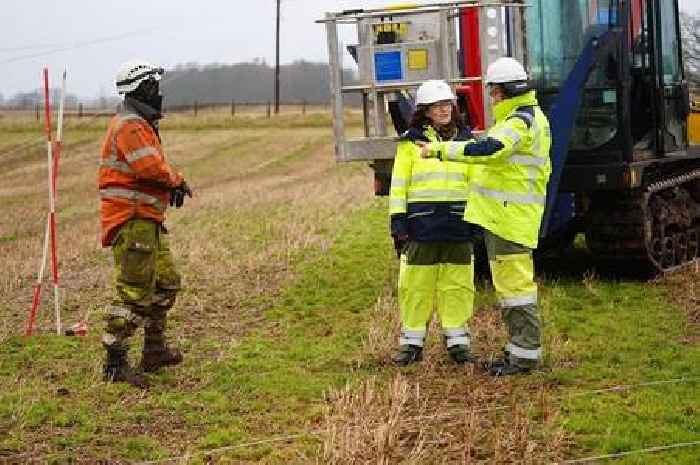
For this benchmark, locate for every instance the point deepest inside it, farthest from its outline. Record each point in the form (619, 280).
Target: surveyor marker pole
(50, 232)
(56, 157)
(52, 181)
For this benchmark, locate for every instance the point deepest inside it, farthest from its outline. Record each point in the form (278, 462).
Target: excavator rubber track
(657, 226)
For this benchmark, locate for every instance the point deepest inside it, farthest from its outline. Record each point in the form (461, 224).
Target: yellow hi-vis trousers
(512, 272)
(436, 275)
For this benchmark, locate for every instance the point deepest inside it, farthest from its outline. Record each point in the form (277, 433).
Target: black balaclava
(148, 92)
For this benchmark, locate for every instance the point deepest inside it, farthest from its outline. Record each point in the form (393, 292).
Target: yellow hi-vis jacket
(507, 196)
(427, 196)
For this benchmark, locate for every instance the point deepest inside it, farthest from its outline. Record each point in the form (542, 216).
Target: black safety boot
(460, 354)
(156, 353)
(157, 356)
(504, 367)
(407, 354)
(117, 369)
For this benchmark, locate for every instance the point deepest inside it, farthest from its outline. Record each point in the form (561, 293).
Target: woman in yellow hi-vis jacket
(427, 202)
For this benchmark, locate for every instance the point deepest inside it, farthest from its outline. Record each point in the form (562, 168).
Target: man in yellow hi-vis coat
(507, 200)
(434, 242)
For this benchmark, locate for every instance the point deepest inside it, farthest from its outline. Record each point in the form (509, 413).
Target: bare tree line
(690, 36)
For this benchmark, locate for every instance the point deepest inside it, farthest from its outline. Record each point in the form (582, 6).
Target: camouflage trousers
(512, 272)
(146, 283)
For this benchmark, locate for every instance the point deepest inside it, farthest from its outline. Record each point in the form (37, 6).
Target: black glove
(483, 147)
(399, 244)
(177, 195)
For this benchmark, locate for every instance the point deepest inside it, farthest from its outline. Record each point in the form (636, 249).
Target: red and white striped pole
(50, 234)
(53, 166)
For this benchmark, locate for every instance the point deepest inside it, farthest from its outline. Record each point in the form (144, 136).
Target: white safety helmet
(433, 91)
(134, 72)
(505, 69)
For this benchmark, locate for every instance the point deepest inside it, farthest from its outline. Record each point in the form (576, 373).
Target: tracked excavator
(608, 73)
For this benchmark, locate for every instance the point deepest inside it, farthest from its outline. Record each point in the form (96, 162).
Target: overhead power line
(81, 44)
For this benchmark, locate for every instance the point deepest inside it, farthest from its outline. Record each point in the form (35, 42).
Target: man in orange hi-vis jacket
(136, 185)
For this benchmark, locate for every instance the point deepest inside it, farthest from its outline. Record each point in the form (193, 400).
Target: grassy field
(288, 318)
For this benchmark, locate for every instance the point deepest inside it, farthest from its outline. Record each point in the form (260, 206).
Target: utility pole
(277, 62)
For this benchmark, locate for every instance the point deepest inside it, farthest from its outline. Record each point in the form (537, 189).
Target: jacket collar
(147, 112)
(462, 134)
(505, 107)
(431, 133)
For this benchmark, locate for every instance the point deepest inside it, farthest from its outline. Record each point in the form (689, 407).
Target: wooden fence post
(196, 104)
(303, 107)
(36, 109)
(268, 109)
(80, 110)
(233, 108)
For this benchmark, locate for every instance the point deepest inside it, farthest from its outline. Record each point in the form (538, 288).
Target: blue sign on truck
(387, 66)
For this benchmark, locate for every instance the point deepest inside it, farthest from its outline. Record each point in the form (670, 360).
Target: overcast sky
(92, 37)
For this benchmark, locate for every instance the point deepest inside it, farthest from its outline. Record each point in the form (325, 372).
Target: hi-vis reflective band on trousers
(456, 337)
(413, 338)
(448, 194)
(501, 196)
(120, 193)
(527, 354)
(120, 312)
(520, 301)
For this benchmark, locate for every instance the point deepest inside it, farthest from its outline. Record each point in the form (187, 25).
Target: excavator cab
(613, 68)
(635, 102)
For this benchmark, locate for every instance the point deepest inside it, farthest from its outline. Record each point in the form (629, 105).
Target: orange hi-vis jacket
(134, 179)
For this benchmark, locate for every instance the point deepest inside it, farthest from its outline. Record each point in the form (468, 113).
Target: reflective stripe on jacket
(427, 196)
(507, 196)
(134, 177)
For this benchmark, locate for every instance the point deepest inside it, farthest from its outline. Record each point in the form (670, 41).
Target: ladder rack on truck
(397, 49)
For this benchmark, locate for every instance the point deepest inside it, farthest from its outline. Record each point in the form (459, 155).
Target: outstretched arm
(500, 143)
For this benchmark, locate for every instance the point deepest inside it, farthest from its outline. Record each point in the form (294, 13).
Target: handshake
(177, 195)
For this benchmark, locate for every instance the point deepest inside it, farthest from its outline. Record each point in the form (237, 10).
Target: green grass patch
(272, 382)
(620, 333)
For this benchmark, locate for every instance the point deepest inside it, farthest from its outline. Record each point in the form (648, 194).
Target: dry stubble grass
(277, 190)
(438, 412)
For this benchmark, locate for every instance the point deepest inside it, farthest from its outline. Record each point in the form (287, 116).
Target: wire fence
(194, 108)
(496, 408)
(318, 434)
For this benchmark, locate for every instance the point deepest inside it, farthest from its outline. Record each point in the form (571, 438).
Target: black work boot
(460, 354)
(156, 353)
(504, 367)
(407, 354)
(117, 369)
(157, 356)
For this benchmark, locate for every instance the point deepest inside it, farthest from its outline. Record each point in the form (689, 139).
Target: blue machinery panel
(387, 66)
(562, 118)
